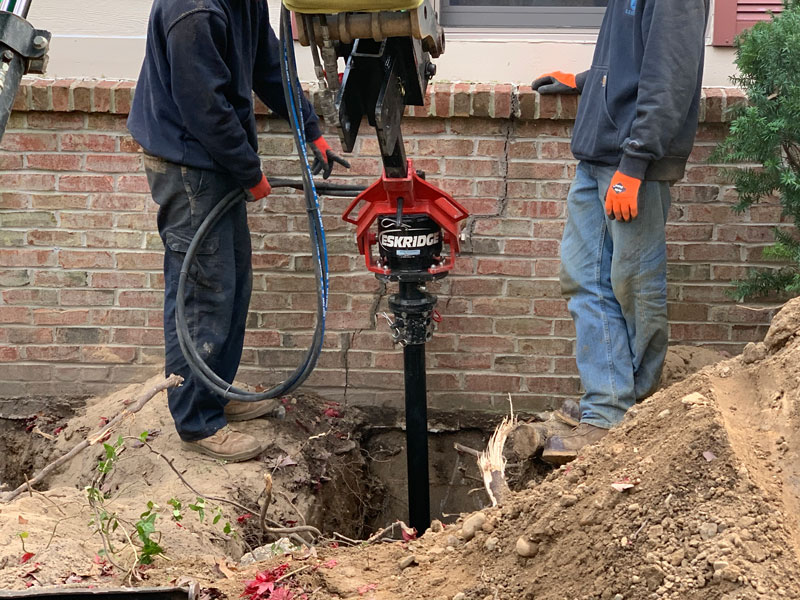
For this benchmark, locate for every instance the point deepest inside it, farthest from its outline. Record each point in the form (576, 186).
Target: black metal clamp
(23, 49)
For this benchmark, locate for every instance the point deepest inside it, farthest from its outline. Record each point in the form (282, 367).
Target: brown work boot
(569, 413)
(561, 449)
(227, 444)
(244, 411)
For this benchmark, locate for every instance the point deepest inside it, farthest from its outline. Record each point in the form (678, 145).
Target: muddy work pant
(614, 275)
(217, 292)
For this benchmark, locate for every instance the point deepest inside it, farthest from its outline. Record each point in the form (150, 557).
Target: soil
(694, 496)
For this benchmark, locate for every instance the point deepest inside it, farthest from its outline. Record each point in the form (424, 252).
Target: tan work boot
(227, 444)
(244, 411)
(561, 449)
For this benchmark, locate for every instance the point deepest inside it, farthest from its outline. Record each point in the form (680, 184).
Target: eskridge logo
(405, 237)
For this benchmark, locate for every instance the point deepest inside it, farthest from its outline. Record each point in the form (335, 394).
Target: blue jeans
(218, 287)
(614, 275)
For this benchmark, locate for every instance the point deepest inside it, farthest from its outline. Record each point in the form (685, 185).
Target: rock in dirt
(754, 352)
(472, 525)
(406, 561)
(784, 327)
(525, 548)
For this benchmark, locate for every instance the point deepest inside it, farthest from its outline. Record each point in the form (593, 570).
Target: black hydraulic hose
(197, 364)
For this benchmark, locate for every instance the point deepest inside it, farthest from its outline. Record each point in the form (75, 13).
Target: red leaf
(281, 594)
(334, 545)
(103, 421)
(26, 557)
(370, 587)
(58, 430)
(98, 560)
(409, 533)
(243, 518)
(332, 413)
(264, 583)
(330, 564)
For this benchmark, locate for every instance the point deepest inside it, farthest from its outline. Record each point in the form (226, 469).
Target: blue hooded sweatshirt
(194, 100)
(639, 104)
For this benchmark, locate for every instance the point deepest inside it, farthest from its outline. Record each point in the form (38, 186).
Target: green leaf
(143, 436)
(227, 529)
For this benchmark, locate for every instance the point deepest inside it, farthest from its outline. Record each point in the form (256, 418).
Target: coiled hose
(204, 373)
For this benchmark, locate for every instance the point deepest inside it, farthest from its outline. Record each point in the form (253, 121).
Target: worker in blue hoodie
(193, 116)
(634, 130)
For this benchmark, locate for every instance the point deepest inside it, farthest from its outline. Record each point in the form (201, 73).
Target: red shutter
(731, 17)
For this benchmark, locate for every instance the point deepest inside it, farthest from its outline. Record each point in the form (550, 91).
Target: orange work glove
(556, 82)
(324, 157)
(622, 198)
(261, 190)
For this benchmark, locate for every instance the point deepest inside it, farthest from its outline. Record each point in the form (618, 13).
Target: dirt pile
(319, 478)
(694, 496)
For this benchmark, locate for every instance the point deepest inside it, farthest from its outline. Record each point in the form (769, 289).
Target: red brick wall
(80, 258)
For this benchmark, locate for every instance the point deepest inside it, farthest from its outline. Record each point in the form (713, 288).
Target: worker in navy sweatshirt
(193, 115)
(634, 130)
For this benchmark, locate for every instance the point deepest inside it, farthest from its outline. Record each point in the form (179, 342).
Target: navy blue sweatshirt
(194, 99)
(640, 100)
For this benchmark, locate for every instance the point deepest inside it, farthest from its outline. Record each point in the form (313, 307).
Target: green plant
(766, 134)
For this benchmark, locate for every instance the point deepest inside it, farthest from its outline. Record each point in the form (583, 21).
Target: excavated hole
(358, 487)
(24, 447)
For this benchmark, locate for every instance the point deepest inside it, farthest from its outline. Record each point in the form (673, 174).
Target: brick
(107, 354)
(130, 336)
(15, 314)
(47, 120)
(113, 163)
(493, 383)
(85, 183)
(60, 92)
(554, 385)
(112, 239)
(54, 162)
(505, 266)
(86, 298)
(59, 202)
(140, 299)
(523, 326)
(40, 94)
(118, 279)
(537, 248)
(82, 259)
(28, 181)
(135, 183)
(27, 258)
(60, 279)
(696, 332)
(87, 142)
(8, 354)
(29, 335)
(15, 278)
(501, 306)
(58, 353)
(10, 162)
(47, 316)
(118, 317)
(27, 219)
(535, 170)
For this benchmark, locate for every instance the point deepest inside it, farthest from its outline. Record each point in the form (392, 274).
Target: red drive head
(414, 221)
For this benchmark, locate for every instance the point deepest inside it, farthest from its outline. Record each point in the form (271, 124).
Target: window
(522, 13)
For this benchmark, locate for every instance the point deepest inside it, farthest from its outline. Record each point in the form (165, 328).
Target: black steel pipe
(419, 501)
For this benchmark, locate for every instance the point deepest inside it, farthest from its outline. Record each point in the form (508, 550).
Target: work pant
(614, 275)
(217, 292)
